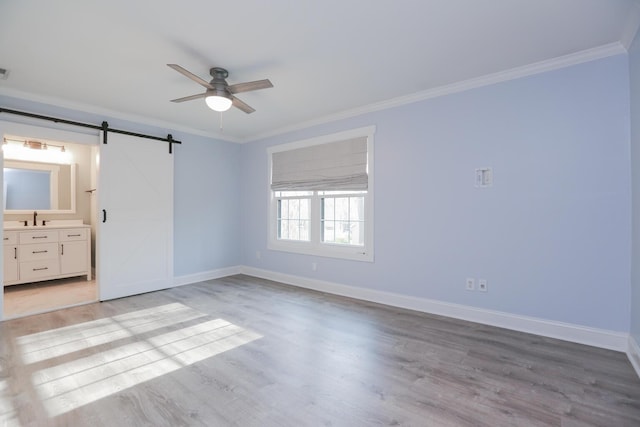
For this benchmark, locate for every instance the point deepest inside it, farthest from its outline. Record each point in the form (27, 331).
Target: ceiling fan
(219, 95)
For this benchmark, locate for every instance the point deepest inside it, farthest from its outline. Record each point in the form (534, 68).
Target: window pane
(342, 232)
(356, 208)
(294, 209)
(305, 209)
(285, 209)
(329, 208)
(293, 219)
(328, 234)
(283, 227)
(357, 234)
(343, 220)
(304, 233)
(294, 230)
(342, 208)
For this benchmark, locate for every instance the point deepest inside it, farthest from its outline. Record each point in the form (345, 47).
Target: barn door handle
(104, 215)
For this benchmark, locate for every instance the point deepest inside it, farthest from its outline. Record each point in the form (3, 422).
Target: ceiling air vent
(4, 73)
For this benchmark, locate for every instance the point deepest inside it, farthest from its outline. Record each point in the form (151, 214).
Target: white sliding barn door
(135, 216)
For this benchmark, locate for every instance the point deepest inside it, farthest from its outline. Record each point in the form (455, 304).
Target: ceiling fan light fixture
(218, 103)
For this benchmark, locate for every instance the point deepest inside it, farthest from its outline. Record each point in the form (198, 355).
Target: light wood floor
(40, 297)
(242, 351)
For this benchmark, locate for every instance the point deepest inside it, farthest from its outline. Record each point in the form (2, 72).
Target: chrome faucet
(35, 218)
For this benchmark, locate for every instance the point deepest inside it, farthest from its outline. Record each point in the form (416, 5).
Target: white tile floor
(40, 297)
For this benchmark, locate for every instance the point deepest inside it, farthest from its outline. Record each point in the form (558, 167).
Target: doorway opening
(48, 231)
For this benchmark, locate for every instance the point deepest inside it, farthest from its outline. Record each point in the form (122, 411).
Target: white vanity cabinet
(10, 241)
(46, 254)
(74, 256)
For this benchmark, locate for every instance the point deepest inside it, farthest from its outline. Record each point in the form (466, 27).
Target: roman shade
(334, 166)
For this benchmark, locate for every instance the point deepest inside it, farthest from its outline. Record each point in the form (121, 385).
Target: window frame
(315, 246)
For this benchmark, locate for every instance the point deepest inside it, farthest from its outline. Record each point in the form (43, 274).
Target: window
(321, 196)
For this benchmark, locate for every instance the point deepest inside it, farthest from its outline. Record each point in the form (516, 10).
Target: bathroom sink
(19, 225)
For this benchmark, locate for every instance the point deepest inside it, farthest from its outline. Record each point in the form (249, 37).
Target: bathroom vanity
(53, 251)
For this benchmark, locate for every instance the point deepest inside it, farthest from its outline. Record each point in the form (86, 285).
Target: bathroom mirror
(36, 186)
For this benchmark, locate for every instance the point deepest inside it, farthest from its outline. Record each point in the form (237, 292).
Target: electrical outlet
(484, 177)
(314, 266)
(482, 285)
(471, 284)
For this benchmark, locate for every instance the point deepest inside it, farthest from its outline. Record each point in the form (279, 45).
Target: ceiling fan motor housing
(218, 73)
(219, 83)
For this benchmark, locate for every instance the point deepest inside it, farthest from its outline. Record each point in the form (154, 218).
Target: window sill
(351, 253)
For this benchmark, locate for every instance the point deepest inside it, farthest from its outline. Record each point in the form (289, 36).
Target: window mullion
(315, 219)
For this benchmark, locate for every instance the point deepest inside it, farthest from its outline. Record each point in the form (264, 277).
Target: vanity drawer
(38, 236)
(38, 269)
(71, 234)
(10, 237)
(39, 251)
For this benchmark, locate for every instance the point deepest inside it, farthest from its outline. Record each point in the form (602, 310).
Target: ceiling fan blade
(189, 98)
(242, 106)
(190, 75)
(248, 86)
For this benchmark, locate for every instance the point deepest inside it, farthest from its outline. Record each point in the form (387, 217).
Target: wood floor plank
(242, 351)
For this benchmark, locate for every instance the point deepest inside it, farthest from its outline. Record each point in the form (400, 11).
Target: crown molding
(92, 109)
(576, 58)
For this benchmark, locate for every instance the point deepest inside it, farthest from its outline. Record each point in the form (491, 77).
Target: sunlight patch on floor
(72, 384)
(59, 342)
(8, 413)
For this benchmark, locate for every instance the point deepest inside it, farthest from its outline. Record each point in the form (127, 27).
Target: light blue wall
(207, 202)
(634, 73)
(552, 236)
(206, 181)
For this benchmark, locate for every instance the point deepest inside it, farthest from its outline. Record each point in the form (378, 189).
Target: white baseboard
(602, 338)
(206, 275)
(633, 353)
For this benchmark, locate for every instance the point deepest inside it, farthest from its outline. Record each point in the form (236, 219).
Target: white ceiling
(324, 58)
